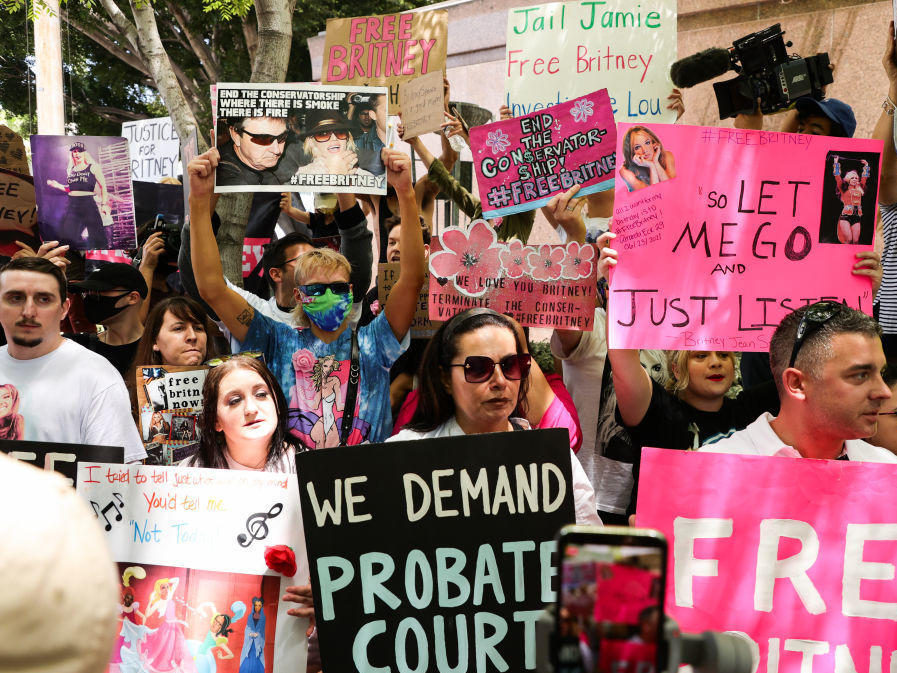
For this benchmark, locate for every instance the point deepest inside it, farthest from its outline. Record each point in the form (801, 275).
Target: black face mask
(98, 308)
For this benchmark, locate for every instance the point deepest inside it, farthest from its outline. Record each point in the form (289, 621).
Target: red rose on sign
(281, 559)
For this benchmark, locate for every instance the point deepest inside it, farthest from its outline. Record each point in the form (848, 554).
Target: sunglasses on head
(479, 368)
(265, 139)
(318, 289)
(324, 136)
(813, 319)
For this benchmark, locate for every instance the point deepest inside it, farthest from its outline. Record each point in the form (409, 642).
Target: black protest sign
(62, 458)
(434, 554)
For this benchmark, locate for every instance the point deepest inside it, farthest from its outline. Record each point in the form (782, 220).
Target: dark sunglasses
(265, 139)
(324, 136)
(318, 289)
(813, 319)
(479, 368)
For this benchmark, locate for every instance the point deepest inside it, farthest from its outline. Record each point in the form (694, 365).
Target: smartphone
(609, 616)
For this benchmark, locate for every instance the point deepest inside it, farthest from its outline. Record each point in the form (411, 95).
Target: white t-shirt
(583, 494)
(74, 396)
(759, 439)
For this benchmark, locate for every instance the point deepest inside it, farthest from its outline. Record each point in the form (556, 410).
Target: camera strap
(351, 393)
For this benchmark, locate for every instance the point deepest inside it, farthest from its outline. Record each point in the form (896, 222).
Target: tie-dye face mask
(327, 310)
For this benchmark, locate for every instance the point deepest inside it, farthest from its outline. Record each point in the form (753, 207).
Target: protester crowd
(824, 390)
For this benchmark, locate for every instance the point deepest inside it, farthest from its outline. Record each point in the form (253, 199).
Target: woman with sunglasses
(330, 145)
(473, 376)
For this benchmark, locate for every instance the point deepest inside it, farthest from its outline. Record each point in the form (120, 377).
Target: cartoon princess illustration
(215, 642)
(132, 630)
(252, 658)
(165, 649)
(327, 398)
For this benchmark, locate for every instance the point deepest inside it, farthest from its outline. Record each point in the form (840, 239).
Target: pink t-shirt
(561, 413)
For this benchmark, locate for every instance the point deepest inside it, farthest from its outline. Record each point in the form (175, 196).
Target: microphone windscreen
(700, 67)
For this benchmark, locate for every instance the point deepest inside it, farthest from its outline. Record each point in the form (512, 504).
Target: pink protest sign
(797, 554)
(722, 232)
(522, 162)
(540, 285)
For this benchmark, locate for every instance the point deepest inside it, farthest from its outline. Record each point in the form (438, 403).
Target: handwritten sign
(540, 285)
(522, 162)
(60, 457)
(436, 554)
(155, 148)
(169, 400)
(18, 207)
(385, 50)
(557, 51)
(12, 151)
(796, 554)
(313, 148)
(190, 547)
(422, 104)
(727, 231)
(421, 326)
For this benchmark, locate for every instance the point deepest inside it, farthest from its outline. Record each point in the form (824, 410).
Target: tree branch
(125, 27)
(106, 43)
(250, 37)
(205, 56)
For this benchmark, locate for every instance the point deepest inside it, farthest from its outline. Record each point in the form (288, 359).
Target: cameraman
(828, 117)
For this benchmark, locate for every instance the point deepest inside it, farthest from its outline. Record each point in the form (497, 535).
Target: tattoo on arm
(245, 317)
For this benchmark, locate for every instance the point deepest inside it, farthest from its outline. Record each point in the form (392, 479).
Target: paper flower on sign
(582, 110)
(578, 261)
(281, 559)
(498, 141)
(513, 260)
(470, 254)
(304, 360)
(546, 263)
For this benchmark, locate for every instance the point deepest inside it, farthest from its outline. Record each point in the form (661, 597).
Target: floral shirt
(314, 378)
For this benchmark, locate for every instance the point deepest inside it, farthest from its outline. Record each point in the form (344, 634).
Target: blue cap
(837, 111)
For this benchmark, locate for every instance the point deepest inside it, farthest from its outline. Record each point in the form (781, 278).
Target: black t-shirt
(121, 357)
(671, 423)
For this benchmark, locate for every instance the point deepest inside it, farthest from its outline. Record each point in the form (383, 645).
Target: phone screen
(610, 615)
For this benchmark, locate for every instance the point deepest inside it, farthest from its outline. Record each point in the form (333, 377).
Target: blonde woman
(88, 210)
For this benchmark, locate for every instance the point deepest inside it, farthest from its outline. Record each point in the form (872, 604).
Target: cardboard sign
(190, 546)
(155, 148)
(727, 231)
(423, 106)
(796, 554)
(385, 50)
(421, 327)
(83, 190)
(12, 151)
(540, 285)
(434, 554)
(169, 400)
(312, 144)
(521, 163)
(558, 51)
(61, 457)
(18, 208)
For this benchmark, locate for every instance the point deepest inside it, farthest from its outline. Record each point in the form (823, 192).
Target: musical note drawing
(111, 505)
(257, 525)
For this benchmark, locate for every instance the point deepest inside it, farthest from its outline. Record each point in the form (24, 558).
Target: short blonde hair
(677, 363)
(318, 260)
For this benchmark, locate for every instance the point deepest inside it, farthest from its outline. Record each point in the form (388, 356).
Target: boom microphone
(700, 67)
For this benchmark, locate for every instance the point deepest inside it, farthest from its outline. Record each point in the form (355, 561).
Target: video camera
(362, 101)
(609, 614)
(766, 71)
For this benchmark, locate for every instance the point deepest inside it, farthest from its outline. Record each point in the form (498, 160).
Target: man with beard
(66, 393)
(827, 363)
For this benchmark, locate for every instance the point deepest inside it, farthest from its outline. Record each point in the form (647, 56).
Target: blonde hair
(677, 363)
(318, 260)
(310, 145)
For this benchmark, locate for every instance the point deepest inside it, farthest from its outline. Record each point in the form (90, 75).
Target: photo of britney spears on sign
(300, 137)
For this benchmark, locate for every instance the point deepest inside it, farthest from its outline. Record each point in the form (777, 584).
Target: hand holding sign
(201, 172)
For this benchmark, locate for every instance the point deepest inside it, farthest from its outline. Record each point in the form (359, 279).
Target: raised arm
(884, 128)
(355, 243)
(632, 383)
(403, 297)
(286, 206)
(232, 309)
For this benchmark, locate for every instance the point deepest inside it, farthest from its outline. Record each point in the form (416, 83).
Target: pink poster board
(727, 231)
(540, 285)
(521, 163)
(835, 600)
